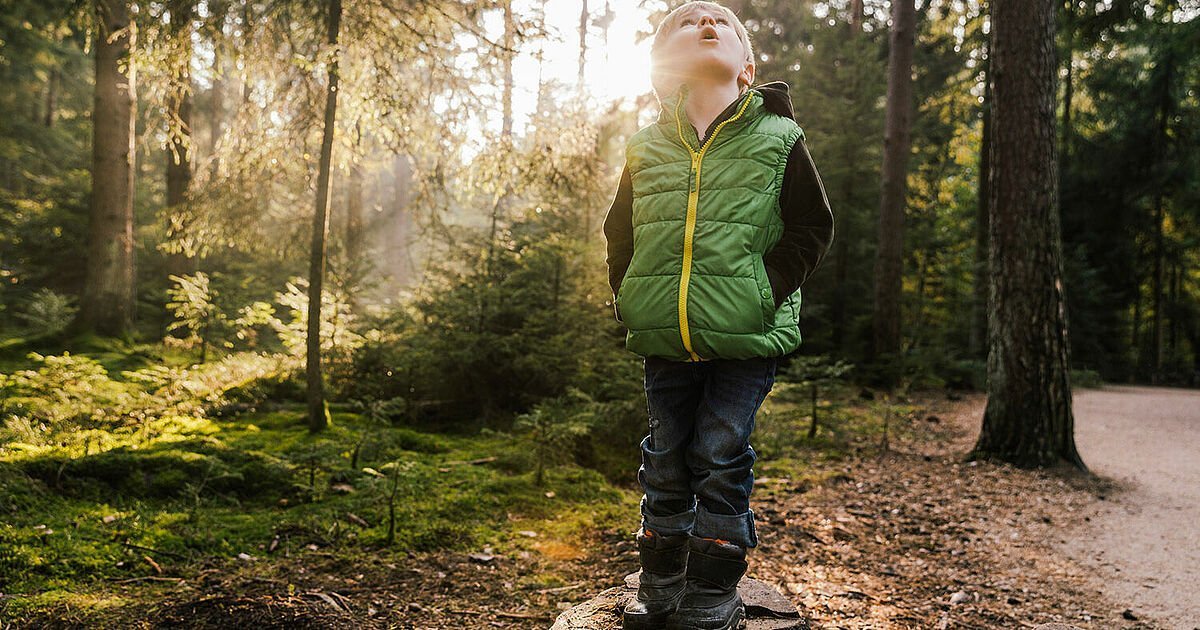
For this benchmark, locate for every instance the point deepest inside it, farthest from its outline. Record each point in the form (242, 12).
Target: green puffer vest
(703, 218)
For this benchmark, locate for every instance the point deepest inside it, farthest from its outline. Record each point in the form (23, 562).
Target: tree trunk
(1064, 152)
(401, 230)
(1135, 335)
(356, 262)
(1028, 420)
(1173, 309)
(107, 304)
(216, 112)
(978, 336)
(1160, 141)
(1156, 323)
(179, 107)
(889, 257)
(316, 266)
(51, 96)
(841, 251)
(583, 28)
(507, 122)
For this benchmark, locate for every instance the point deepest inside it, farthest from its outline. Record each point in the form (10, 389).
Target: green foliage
(508, 318)
(48, 312)
(337, 334)
(810, 375)
(71, 400)
(191, 304)
(64, 394)
(1086, 378)
(553, 427)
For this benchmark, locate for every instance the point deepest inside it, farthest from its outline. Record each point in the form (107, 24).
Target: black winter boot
(711, 600)
(664, 574)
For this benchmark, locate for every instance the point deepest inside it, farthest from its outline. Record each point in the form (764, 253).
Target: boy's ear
(746, 76)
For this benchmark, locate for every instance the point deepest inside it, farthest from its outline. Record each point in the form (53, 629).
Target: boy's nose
(707, 19)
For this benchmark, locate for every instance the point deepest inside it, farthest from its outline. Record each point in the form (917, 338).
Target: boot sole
(737, 622)
(640, 622)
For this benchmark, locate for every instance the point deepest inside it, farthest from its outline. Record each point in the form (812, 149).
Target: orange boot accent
(717, 540)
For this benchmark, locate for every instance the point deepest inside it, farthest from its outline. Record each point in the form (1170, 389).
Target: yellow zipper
(690, 224)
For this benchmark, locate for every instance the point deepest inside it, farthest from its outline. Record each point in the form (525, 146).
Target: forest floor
(910, 536)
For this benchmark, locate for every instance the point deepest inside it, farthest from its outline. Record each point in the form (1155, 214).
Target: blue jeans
(697, 462)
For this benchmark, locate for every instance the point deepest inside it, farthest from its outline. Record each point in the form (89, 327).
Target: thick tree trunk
(889, 257)
(316, 267)
(107, 304)
(1028, 420)
(978, 335)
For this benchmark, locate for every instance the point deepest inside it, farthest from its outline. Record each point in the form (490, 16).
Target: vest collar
(773, 97)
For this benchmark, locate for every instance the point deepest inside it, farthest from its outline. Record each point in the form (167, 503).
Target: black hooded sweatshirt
(804, 208)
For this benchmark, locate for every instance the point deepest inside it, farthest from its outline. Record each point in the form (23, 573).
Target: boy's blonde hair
(664, 84)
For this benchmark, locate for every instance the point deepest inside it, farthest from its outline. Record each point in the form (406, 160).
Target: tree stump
(766, 608)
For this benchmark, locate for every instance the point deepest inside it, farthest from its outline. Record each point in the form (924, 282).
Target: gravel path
(1143, 541)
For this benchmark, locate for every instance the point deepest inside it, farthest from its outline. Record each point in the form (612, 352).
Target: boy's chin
(700, 73)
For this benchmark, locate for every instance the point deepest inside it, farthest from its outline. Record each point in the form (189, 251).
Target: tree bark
(856, 16)
(316, 266)
(107, 304)
(978, 335)
(1028, 420)
(889, 257)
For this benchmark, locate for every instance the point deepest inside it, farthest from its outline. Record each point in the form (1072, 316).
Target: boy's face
(704, 45)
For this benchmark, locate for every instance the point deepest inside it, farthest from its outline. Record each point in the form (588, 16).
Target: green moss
(192, 491)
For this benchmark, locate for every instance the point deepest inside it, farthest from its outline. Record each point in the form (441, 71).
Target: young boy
(719, 218)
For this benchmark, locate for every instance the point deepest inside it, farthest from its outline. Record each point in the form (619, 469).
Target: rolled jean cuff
(672, 525)
(736, 528)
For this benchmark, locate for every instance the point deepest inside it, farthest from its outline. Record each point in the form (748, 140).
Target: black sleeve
(807, 225)
(618, 231)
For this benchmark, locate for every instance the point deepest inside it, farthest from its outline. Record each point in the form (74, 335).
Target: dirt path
(1143, 541)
